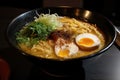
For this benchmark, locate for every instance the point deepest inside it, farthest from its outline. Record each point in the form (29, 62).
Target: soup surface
(59, 37)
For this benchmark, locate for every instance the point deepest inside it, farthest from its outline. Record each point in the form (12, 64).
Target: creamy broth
(46, 49)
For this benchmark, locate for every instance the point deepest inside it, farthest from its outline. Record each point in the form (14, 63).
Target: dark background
(27, 4)
(109, 8)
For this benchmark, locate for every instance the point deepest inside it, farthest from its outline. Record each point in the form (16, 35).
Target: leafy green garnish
(39, 29)
(33, 32)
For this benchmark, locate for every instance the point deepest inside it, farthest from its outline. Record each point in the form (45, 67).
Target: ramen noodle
(64, 41)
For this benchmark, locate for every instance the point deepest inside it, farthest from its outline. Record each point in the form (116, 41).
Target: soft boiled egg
(87, 41)
(64, 49)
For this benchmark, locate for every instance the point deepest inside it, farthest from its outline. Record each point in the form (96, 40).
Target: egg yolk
(86, 42)
(63, 53)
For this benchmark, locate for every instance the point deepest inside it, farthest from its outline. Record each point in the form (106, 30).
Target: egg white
(93, 37)
(72, 47)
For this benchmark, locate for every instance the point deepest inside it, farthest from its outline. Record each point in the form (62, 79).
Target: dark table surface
(105, 66)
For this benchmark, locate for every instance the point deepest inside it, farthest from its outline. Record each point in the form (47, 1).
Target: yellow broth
(45, 49)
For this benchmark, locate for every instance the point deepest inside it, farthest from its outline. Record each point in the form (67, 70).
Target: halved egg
(64, 50)
(87, 41)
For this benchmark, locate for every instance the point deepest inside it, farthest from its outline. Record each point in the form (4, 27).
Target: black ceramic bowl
(104, 24)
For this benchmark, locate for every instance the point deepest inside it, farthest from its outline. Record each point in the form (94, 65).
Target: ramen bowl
(102, 23)
(106, 27)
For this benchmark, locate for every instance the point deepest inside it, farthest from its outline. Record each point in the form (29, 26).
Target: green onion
(39, 29)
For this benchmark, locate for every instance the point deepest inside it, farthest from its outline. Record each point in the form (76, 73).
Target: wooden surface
(53, 3)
